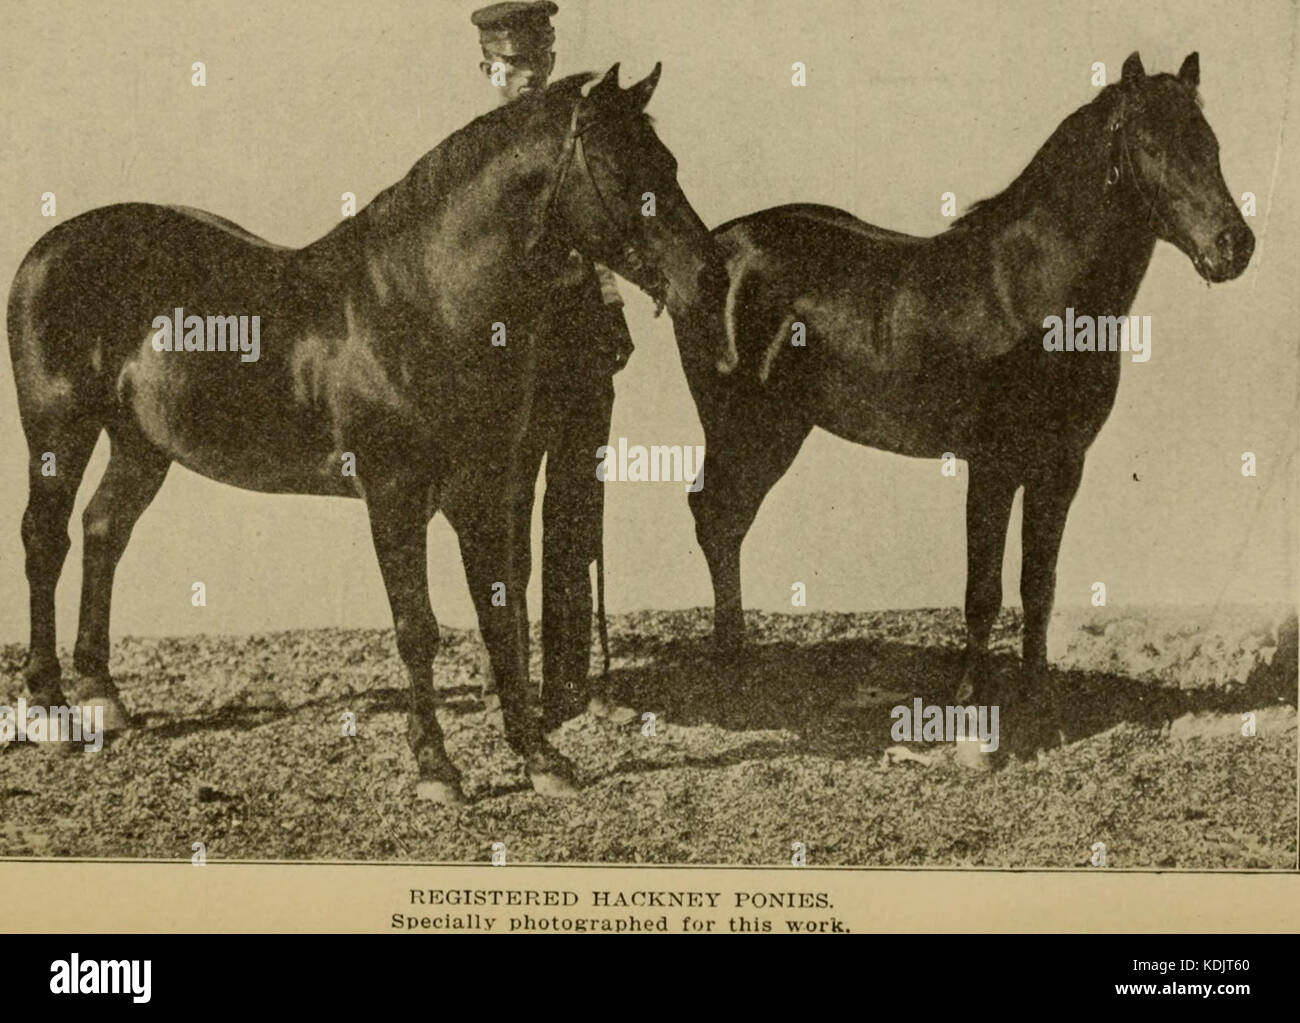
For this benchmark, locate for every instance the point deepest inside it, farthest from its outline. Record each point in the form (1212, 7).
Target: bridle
(1120, 156)
(575, 153)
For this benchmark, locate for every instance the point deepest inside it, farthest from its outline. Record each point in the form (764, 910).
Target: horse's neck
(465, 245)
(1087, 239)
(488, 220)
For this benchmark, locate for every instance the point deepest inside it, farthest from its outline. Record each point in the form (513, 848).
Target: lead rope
(600, 612)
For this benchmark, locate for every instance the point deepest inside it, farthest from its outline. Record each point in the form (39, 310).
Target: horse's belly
(923, 416)
(233, 421)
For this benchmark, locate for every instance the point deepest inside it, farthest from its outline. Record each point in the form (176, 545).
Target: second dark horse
(923, 346)
(376, 343)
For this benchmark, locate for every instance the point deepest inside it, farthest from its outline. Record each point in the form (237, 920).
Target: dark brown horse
(924, 346)
(376, 348)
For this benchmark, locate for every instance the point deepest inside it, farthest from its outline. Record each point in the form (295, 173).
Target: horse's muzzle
(1229, 256)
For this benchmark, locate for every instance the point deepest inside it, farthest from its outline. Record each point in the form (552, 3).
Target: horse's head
(617, 201)
(1164, 152)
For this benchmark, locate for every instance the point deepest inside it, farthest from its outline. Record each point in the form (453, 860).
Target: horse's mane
(460, 156)
(1062, 146)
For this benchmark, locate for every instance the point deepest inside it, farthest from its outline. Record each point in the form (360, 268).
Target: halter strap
(575, 152)
(566, 161)
(1120, 156)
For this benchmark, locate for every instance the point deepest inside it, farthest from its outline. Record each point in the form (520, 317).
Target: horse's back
(785, 257)
(229, 227)
(103, 250)
(106, 231)
(777, 217)
(876, 364)
(76, 302)
(806, 249)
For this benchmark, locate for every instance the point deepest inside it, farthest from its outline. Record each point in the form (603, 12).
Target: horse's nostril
(1224, 243)
(1246, 246)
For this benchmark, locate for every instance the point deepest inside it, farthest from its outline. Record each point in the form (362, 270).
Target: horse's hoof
(611, 712)
(115, 719)
(434, 790)
(553, 785)
(492, 710)
(552, 774)
(966, 690)
(970, 756)
(561, 702)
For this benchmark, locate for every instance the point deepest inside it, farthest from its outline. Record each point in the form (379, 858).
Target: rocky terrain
(238, 743)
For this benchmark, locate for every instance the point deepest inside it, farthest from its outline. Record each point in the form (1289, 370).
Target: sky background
(904, 102)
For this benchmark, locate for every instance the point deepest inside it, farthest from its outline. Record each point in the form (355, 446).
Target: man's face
(525, 74)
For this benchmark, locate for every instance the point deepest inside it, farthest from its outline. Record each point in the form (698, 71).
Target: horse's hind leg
(742, 463)
(58, 452)
(135, 472)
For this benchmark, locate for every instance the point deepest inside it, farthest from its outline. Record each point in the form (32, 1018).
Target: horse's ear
(1133, 69)
(639, 95)
(1190, 73)
(607, 87)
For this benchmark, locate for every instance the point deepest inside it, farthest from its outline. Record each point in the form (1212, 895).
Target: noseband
(575, 152)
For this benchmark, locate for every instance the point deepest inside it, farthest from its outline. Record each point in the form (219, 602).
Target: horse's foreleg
(492, 551)
(135, 472)
(58, 457)
(742, 463)
(398, 528)
(988, 512)
(721, 539)
(1049, 490)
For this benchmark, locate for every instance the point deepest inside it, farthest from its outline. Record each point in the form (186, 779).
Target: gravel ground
(238, 744)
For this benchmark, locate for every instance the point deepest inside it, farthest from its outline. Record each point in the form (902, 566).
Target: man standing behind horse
(588, 335)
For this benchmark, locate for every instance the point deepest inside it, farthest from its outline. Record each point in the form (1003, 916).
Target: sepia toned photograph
(733, 434)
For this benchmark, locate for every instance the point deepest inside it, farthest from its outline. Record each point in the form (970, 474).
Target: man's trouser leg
(533, 446)
(572, 535)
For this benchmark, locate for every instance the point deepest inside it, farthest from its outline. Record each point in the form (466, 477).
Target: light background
(904, 102)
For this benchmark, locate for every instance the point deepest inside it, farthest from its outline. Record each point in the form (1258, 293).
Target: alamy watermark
(75, 976)
(660, 463)
(53, 724)
(938, 723)
(181, 333)
(1098, 334)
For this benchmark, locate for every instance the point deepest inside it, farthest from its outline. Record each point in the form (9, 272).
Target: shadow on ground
(837, 695)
